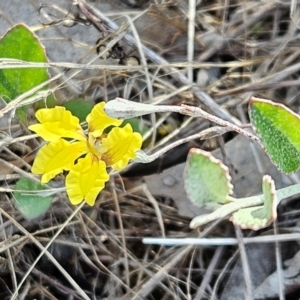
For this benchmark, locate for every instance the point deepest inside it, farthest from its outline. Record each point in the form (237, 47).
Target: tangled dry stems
(241, 49)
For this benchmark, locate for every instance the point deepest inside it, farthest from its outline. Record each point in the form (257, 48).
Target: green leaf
(278, 128)
(79, 108)
(259, 217)
(207, 180)
(20, 43)
(27, 202)
(136, 125)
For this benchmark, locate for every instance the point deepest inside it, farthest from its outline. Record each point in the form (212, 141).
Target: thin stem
(144, 158)
(288, 191)
(228, 209)
(124, 109)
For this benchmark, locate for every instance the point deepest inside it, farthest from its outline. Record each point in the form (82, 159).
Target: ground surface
(237, 49)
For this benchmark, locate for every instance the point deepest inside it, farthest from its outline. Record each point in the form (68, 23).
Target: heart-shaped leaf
(29, 204)
(207, 180)
(259, 217)
(278, 128)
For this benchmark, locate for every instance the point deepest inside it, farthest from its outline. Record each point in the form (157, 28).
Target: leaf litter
(240, 50)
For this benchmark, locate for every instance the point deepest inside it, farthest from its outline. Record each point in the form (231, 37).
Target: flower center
(95, 145)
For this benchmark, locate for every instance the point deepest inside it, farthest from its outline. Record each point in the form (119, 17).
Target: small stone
(169, 180)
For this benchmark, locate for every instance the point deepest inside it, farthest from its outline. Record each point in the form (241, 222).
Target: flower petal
(55, 157)
(98, 120)
(122, 144)
(57, 122)
(86, 179)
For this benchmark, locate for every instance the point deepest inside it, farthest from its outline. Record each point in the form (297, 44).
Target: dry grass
(241, 48)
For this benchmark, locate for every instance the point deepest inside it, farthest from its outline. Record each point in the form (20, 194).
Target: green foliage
(20, 43)
(136, 125)
(259, 217)
(79, 108)
(27, 202)
(278, 128)
(207, 181)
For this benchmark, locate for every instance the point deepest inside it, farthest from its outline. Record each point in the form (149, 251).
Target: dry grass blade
(44, 251)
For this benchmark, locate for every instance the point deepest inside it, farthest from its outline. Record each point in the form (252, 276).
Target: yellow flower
(85, 156)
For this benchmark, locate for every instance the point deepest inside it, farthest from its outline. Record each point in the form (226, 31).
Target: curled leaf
(259, 217)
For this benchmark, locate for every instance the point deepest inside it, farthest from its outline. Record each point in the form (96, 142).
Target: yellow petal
(57, 122)
(86, 179)
(98, 120)
(122, 144)
(55, 157)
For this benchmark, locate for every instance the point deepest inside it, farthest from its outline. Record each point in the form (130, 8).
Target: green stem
(226, 210)
(236, 204)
